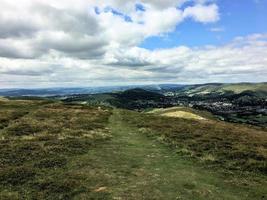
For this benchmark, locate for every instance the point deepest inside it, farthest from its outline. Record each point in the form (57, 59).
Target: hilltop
(55, 150)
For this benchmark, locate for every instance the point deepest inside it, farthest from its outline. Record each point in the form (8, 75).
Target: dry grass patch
(183, 114)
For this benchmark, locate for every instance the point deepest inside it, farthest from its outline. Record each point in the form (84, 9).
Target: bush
(22, 129)
(16, 175)
(56, 162)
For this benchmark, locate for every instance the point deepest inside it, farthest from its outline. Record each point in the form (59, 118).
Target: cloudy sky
(69, 43)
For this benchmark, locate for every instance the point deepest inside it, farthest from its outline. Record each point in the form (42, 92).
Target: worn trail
(133, 166)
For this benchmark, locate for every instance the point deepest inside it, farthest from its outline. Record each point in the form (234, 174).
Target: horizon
(129, 85)
(100, 43)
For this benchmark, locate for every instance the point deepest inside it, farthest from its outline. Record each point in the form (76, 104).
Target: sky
(76, 43)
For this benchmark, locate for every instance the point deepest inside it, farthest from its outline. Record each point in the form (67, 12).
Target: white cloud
(32, 28)
(244, 58)
(203, 13)
(51, 43)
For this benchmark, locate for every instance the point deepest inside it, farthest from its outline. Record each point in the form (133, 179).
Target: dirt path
(132, 166)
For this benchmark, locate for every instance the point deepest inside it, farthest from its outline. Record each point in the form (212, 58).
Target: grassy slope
(99, 159)
(138, 167)
(241, 87)
(235, 88)
(232, 146)
(39, 140)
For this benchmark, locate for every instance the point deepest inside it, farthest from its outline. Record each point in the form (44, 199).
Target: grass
(38, 141)
(218, 144)
(241, 87)
(177, 112)
(134, 166)
(59, 151)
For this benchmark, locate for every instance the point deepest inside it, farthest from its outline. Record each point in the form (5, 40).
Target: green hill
(130, 99)
(219, 88)
(139, 94)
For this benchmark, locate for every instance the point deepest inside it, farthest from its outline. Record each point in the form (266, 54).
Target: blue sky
(237, 18)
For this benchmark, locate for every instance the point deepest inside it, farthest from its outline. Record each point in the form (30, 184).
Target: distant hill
(60, 91)
(136, 98)
(42, 92)
(220, 88)
(139, 94)
(242, 102)
(198, 89)
(249, 94)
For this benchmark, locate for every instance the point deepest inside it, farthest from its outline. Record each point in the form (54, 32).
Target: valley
(238, 103)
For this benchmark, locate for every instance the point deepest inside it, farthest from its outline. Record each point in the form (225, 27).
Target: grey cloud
(131, 63)
(83, 47)
(29, 72)
(38, 35)
(30, 69)
(29, 49)
(10, 50)
(16, 28)
(166, 69)
(68, 20)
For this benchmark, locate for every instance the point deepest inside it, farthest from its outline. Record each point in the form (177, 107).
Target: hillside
(52, 150)
(223, 89)
(239, 103)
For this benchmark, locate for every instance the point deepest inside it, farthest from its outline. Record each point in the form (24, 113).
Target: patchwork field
(51, 150)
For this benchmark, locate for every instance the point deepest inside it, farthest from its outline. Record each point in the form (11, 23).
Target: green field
(51, 150)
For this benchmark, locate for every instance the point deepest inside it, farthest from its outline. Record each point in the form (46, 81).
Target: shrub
(55, 162)
(16, 175)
